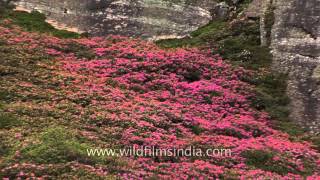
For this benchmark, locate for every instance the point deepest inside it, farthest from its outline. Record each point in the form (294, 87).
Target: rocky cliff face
(296, 50)
(152, 19)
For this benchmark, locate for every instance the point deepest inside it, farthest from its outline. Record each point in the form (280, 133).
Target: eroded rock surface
(154, 19)
(296, 50)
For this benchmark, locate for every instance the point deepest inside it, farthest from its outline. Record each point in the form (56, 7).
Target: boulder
(221, 11)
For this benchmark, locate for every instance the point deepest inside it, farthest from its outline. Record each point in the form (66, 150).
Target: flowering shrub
(127, 92)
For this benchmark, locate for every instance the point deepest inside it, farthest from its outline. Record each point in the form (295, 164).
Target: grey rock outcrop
(296, 51)
(221, 11)
(153, 19)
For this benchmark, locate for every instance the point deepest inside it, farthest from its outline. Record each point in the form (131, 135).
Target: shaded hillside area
(61, 97)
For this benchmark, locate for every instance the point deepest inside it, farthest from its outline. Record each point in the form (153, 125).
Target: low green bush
(36, 21)
(8, 121)
(57, 145)
(264, 160)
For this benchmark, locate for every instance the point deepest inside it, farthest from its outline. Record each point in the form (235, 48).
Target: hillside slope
(61, 97)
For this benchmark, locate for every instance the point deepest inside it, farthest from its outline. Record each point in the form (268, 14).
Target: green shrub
(4, 147)
(264, 160)
(192, 75)
(271, 97)
(79, 50)
(57, 145)
(197, 129)
(289, 127)
(83, 101)
(3, 42)
(210, 28)
(316, 141)
(36, 21)
(213, 30)
(257, 157)
(8, 121)
(4, 95)
(7, 96)
(174, 43)
(238, 42)
(230, 132)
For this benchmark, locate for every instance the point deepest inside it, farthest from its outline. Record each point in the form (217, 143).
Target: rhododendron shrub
(127, 92)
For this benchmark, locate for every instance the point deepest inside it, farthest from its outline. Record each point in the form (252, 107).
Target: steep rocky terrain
(144, 18)
(296, 50)
(291, 30)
